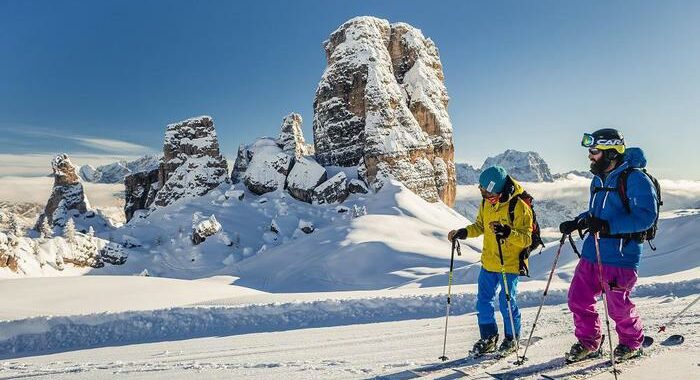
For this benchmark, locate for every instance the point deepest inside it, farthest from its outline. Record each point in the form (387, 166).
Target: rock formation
(291, 138)
(67, 193)
(334, 190)
(304, 177)
(382, 103)
(140, 191)
(268, 169)
(192, 164)
(203, 227)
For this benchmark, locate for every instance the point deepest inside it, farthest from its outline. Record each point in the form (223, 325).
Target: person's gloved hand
(569, 226)
(457, 234)
(598, 225)
(502, 231)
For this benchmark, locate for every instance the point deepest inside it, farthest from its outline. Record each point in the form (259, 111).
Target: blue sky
(105, 77)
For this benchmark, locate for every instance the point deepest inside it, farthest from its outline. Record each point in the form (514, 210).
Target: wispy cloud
(37, 140)
(39, 165)
(112, 146)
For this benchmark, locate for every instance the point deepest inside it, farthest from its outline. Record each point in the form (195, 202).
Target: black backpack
(650, 233)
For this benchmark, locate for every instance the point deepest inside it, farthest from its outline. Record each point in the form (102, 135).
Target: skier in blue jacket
(622, 233)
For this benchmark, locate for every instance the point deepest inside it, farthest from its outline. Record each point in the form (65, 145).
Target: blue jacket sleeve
(643, 206)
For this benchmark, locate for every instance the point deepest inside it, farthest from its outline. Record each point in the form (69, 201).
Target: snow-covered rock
(27, 256)
(116, 172)
(467, 174)
(304, 177)
(334, 190)
(140, 191)
(243, 158)
(356, 186)
(203, 227)
(67, 193)
(235, 194)
(192, 164)
(291, 138)
(523, 166)
(268, 169)
(306, 226)
(382, 103)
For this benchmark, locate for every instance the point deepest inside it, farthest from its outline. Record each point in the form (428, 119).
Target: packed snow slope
(368, 242)
(334, 338)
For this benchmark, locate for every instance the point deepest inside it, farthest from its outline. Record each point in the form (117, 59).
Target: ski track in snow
(374, 350)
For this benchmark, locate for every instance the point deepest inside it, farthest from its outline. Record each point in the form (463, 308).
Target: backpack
(536, 236)
(650, 233)
(536, 232)
(637, 161)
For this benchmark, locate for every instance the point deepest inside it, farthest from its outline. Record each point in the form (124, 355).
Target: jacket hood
(511, 189)
(635, 158)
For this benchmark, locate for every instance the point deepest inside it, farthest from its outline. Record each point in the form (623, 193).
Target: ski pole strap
(573, 246)
(459, 250)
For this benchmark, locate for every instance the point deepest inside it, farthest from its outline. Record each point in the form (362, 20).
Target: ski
(552, 365)
(673, 340)
(432, 368)
(471, 370)
(462, 365)
(595, 369)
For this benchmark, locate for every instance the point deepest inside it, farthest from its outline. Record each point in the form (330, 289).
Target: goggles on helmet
(589, 141)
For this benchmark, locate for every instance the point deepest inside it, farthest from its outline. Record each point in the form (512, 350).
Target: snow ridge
(55, 334)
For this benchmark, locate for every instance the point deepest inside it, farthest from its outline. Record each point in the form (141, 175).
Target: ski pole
(455, 245)
(663, 327)
(505, 288)
(546, 288)
(596, 237)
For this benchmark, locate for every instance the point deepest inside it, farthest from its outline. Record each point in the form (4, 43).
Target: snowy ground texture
(361, 297)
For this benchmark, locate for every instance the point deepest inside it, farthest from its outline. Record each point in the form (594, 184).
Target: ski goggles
(487, 194)
(589, 141)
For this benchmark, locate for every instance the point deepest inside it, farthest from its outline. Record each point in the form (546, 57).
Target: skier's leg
(619, 283)
(503, 305)
(486, 293)
(584, 289)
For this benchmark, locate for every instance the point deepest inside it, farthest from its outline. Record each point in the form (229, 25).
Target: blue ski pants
(489, 282)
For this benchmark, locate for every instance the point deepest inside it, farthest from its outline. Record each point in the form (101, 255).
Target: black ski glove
(570, 226)
(502, 231)
(457, 234)
(598, 225)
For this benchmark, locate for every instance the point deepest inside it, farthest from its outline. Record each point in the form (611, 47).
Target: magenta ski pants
(585, 287)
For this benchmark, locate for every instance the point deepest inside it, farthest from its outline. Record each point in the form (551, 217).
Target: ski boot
(623, 353)
(507, 346)
(484, 346)
(579, 352)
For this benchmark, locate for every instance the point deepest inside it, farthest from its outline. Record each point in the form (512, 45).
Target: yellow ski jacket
(521, 229)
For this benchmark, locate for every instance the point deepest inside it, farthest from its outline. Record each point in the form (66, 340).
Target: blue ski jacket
(605, 203)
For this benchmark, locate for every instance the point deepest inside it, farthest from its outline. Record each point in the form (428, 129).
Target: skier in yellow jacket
(504, 215)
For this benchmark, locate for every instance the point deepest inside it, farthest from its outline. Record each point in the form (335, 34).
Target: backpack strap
(525, 197)
(622, 188)
(511, 207)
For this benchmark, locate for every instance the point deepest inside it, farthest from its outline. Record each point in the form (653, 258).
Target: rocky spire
(67, 192)
(382, 104)
(291, 138)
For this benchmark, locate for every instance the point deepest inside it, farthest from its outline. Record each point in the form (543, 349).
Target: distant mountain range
(523, 166)
(117, 171)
